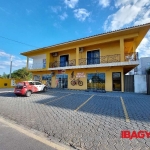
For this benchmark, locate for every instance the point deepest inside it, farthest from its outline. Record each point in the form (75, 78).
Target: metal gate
(148, 84)
(129, 83)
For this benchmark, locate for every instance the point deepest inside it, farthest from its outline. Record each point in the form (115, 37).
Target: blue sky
(43, 23)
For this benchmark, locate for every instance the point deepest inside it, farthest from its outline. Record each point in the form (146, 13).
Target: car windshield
(20, 84)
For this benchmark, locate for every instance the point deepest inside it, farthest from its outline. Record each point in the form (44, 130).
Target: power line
(18, 42)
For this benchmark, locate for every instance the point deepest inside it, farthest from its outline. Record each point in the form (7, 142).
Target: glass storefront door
(116, 77)
(96, 81)
(47, 79)
(61, 81)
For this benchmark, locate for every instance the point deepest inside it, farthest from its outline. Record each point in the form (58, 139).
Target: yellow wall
(71, 54)
(108, 77)
(110, 48)
(8, 82)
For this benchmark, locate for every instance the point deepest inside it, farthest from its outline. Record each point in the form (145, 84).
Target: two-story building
(95, 62)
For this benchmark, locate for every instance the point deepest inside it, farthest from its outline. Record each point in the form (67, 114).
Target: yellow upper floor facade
(117, 48)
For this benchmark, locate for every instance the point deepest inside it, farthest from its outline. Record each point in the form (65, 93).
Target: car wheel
(45, 89)
(28, 93)
(16, 94)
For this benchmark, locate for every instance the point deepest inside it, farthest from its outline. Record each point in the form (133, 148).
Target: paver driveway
(84, 120)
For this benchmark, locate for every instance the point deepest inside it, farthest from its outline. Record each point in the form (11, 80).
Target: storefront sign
(80, 75)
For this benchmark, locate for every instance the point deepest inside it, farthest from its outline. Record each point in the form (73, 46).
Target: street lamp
(10, 67)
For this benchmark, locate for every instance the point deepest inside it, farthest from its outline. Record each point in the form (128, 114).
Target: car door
(38, 85)
(32, 87)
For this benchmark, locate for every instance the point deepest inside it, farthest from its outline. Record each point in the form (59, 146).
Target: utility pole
(10, 67)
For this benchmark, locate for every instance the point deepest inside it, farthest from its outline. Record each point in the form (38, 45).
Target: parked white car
(29, 87)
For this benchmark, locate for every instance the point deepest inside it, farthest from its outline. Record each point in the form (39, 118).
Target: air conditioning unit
(80, 49)
(54, 54)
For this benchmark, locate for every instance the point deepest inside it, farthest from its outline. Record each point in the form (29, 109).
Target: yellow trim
(47, 60)
(124, 110)
(77, 56)
(122, 49)
(83, 103)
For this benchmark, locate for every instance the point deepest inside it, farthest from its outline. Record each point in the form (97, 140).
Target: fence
(137, 83)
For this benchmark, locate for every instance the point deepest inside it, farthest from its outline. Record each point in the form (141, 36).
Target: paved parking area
(83, 120)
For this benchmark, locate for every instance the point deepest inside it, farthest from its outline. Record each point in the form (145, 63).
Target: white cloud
(55, 9)
(89, 30)
(28, 11)
(3, 54)
(129, 12)
(5, 60)
(140, 3)
(3, 10)
(81, 14)
(104, 3)
(143, 18)
(144, 47)
(123, 16)
(63, 16)
(57, 25)
(71, 3)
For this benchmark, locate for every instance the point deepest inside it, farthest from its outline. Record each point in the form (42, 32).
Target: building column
(47, 60)
(122, 81)
(122, 50)
(77, 56)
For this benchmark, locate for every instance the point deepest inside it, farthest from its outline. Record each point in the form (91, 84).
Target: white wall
(38, 61)
(140, 85)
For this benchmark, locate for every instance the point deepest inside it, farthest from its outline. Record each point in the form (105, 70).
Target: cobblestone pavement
(97, 125)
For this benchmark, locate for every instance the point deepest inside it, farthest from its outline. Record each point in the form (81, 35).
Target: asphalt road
(11, 139)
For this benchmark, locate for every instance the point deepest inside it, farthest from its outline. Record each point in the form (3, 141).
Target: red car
(28, 87)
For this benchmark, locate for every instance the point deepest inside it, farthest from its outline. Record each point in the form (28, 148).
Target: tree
(22, 74)
(5, 76)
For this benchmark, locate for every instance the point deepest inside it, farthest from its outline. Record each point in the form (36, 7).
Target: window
(31, 83)
(93, 57)
(64, 60)
(37, 83)
(61, 81)
(96, 81)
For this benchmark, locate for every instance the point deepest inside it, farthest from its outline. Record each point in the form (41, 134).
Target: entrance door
(116, 77)
(47, 79)
(96, 81)
(64, 60)
(38, 85)
(61, 81)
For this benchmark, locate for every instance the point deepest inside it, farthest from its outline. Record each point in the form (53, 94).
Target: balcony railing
(37, 66)
(62, 64)
(131, 56)
(99, 60)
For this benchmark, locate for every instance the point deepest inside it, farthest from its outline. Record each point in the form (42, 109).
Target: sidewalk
(14, 137)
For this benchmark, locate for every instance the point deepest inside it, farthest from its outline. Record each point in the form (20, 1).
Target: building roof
(121, 31)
